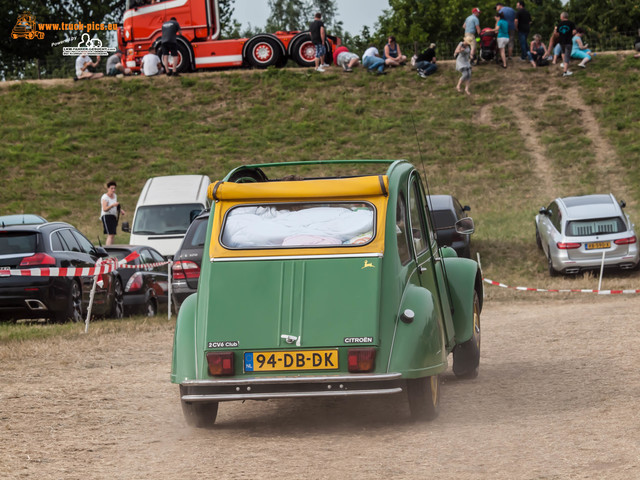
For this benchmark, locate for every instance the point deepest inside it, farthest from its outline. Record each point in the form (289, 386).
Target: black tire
(74, 305)
(200, 415)
(302, 51)
(424, 397)
(248, 175)
(263, 52)
(184, 57)
(117, 307)
(151, 307)
(552, 271)
(538, 239)
(466, 356)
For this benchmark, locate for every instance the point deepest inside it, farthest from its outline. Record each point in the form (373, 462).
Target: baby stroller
(488, 44)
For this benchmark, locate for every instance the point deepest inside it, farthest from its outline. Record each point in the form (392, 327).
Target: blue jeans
(539, 53)
(524, 47)
(371, 63)
(427, 67)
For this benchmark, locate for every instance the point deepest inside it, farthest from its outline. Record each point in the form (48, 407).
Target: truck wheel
(184, 64)
(117, 308)
(74, 305)
(466, 356)
(303, 52)
(424, 397)
(262, 52)
(200, 415)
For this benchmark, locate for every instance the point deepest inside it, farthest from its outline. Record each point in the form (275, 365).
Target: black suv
(48, 245)
(187, 260)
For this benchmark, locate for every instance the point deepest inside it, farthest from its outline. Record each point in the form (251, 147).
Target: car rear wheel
(151, 307)
(117, 308)
(466, 356)
(74, 305)
(538, 239)
(424, 397)
(200, 415)
(552, 271)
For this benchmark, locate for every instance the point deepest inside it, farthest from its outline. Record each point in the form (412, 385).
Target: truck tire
(424, 397)
(263, 52)
(302, 51)
(184, 56)
(466, 356)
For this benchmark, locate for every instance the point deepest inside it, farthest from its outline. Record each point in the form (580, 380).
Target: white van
(165, 208)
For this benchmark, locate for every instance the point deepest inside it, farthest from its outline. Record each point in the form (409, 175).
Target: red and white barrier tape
(552, 290)
(102, 267)
(145, 265)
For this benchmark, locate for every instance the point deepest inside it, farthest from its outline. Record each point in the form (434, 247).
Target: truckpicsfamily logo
(27, 27)
(90, 46)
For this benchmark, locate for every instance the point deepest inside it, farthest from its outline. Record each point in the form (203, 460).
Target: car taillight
(361, 360)
(135, 283)
(183, 269)
(38, 260)
(220, 363)
(568, 246)
(626, 241)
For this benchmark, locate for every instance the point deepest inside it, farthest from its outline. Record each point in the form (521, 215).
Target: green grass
(61, 143)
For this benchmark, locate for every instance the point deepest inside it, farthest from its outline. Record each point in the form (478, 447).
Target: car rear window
(196, 234)
(17, 243)
(444, 218)
(299, 225)
(596, 226)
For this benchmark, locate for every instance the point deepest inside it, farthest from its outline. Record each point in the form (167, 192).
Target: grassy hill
(524, 137)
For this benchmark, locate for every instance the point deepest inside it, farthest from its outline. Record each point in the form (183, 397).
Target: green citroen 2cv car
(325, 287)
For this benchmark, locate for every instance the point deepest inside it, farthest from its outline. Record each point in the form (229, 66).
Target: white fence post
(91, 295)
(169, 265)
(601, 270)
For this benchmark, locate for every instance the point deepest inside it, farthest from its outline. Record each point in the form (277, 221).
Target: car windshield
(18, 243)
(444, 218)
(164, 219)
(296, 225)
(596, 226)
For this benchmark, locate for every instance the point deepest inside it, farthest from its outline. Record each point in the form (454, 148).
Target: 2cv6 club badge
(325, 286)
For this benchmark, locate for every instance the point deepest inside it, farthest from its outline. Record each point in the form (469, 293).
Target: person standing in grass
(318, 38)
(509, 14)
(523, 23)
(471, 27)
(502, 29)
(170, 31)
(565, 38)
(110, 210)
(462, 55)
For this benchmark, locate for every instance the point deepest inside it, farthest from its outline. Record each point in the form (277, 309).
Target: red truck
(199, 43)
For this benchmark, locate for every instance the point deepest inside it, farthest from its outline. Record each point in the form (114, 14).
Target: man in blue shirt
(510, 16)
(471, 27)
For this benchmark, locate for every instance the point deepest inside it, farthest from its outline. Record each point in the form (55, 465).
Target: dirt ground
(557, 397)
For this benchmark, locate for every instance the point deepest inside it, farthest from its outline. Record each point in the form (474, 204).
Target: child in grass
(462, 55)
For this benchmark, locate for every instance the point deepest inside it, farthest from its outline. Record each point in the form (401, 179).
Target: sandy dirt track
(557, 397)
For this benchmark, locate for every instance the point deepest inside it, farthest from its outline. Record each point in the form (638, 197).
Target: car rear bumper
(567, 265)
(207, 391)
(40, 297)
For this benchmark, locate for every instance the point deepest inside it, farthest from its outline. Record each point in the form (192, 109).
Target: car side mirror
(125, 227)
(466, 208)
(465, 226)
(543, 211)
(623, 204)
(101, 252)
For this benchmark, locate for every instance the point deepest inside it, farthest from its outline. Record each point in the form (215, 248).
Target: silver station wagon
(575, 232)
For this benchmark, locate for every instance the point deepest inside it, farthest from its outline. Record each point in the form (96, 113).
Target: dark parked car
(446, 211)
(145, 289)
(187, 260)
(47, 245)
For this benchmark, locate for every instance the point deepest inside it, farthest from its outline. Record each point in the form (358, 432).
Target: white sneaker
(562, 65)
(325, 65)
(581, 65)
(320, 69)
(568, 73)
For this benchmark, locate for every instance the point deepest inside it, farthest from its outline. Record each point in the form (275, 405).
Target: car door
(546, 226)
(431, 274)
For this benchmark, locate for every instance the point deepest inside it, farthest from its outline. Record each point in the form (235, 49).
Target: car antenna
(429, 210)
(99, 242)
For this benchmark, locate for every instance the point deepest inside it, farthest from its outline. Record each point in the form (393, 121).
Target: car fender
(183, 361)
(418, 347)
(463, 278)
